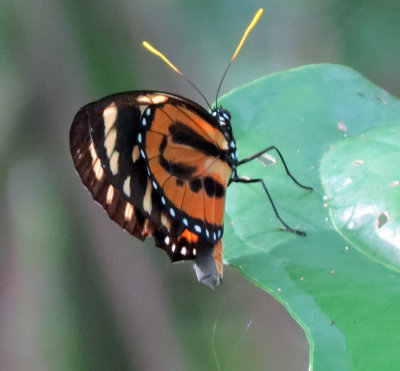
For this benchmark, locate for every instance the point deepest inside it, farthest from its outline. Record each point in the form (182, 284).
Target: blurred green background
(78, 293)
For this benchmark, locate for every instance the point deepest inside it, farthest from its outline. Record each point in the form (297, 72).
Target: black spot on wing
(213, 188)
(179, 170)
(196, 184)
(182, 134)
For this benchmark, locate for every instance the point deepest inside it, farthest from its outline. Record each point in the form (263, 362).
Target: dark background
(78, 293)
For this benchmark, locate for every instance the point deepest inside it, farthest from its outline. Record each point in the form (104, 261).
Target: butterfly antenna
(244, 37)
(170, 64)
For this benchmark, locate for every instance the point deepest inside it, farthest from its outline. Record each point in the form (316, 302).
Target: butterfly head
(223, 118)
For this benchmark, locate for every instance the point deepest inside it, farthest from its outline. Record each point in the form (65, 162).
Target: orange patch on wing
(193, 203)
(190, 237)
(153, 142)
(214, 209)
(183, 154)
(161, 122)
(220, 170)
(174, 192)
(159, 173)
(172, 113)
(214, 206)
(213, 134)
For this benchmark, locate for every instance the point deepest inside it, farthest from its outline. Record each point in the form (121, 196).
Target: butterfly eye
(226, 114)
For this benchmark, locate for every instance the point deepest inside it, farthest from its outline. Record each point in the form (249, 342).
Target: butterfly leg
(258, 154)
(288, 228)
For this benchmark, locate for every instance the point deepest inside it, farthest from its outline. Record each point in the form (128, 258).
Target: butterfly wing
(157, 164)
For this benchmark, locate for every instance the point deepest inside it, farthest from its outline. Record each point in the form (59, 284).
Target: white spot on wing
(165, 221)
(144, 99)
(93, 152)
(135, 153)
(110, 140)
(109, 117)
(110, 195)
(197, 228)
(98, 170)
(158, 98)
(128, 212)
(142, 108)
(147, 202)
(184, 251)
(114, 162)
(127, 186)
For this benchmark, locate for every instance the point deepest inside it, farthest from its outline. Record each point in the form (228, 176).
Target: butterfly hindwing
(93, 166)
(156, 163)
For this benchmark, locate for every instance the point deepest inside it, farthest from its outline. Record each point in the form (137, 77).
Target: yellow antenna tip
(246, 33)
(160, 55)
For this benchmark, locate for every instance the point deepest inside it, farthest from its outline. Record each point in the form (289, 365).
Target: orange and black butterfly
(159, 164)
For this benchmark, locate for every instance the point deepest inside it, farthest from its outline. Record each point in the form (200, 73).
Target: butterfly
(159, 164)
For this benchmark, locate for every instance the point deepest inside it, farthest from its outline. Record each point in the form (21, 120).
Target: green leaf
(361, 177)
(345, 300)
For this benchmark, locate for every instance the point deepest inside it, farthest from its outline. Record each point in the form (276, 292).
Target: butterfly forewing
(156, 163)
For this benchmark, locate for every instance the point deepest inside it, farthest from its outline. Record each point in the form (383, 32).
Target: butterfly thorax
(223, 118)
